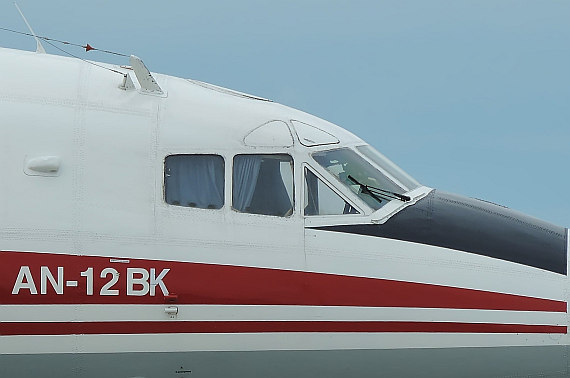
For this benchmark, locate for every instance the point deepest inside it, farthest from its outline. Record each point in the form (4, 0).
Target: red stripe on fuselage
(91, 328)
(197, 283)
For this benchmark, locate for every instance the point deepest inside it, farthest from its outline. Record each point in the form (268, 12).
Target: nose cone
(471, 225)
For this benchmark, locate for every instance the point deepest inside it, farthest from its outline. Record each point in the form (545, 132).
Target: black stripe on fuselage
(471, 225)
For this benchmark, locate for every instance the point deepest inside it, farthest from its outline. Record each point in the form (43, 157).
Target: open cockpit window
(194, 181)
(322, 200)
(263, 184)
(366, 181)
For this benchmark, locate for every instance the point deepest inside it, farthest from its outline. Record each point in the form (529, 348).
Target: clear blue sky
(471, 97)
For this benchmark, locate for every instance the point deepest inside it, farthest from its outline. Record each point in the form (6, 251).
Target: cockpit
(335, 181)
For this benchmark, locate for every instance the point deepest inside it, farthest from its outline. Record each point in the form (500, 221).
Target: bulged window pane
(194, 181)
(322, 200)
(263, 184)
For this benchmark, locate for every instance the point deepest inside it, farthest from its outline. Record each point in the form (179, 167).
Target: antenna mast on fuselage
(39, 48)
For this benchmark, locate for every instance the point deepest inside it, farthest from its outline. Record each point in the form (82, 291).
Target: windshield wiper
(365, 189)
(386, 193)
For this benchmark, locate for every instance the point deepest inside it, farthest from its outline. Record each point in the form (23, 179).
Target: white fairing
(94, 262)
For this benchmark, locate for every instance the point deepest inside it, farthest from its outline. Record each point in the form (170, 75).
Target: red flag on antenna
(88, 47)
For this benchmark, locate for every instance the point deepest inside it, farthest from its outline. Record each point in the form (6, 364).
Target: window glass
(263, 184)
(359, 175)
(382, 161)
(194, 181)
(322, 200)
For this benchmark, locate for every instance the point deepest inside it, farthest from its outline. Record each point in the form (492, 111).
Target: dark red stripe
(196, 283)
(72, 328)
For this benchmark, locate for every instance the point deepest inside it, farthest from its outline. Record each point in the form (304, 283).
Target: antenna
(147, 82)
(39, 48)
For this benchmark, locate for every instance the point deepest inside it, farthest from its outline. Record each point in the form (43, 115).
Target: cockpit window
(359, 175)
(322, 200)
(392, 169)
(263, 184)
(194, 181)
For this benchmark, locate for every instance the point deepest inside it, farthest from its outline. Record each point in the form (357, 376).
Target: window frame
(369, 162)
(223, 187)
(336, 190)
(293, 188)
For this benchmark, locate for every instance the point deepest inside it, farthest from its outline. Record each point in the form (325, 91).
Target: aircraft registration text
(138, 282)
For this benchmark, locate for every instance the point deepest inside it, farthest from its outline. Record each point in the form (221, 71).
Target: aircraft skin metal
(100, 277)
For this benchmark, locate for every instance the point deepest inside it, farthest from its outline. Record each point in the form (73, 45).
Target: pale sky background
(470, 97)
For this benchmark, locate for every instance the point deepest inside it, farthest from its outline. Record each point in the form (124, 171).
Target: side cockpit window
(263, 184)
(322, 200)
(194, 181)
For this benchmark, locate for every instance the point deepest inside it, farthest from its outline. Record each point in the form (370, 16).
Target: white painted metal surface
(104, 210)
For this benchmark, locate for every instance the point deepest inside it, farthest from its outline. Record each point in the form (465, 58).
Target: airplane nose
(471, 225)
(484, 228)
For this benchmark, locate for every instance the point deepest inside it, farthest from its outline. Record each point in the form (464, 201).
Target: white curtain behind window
(246, 170)
(195, 181)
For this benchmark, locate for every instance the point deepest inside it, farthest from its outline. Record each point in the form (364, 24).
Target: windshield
(343, 162)
(392, 169)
